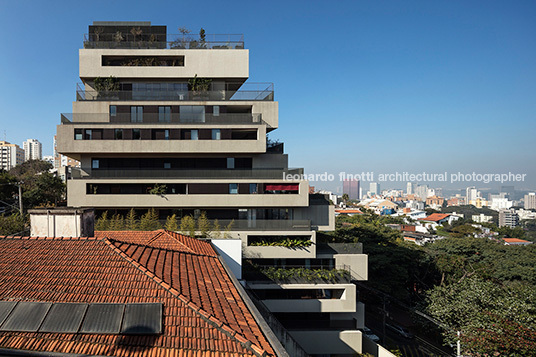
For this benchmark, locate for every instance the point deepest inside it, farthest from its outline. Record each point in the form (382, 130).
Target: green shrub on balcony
(286, 275)
(283, 242)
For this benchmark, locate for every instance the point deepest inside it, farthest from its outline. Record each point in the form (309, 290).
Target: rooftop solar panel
(26, 316)
(142, 319)
(5, 309)
(64, 318)
(103, 318)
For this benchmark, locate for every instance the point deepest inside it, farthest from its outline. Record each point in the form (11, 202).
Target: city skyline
(381, 87)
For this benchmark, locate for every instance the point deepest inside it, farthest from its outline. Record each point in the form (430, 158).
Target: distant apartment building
(499, 203)
(455, 201)
(351, 188)
(435, 202)
(11, 155)
(481, 218)
(410, 188)
(33, 150)
(49, 158)
(508, 218)
(530, 201)
(479, 202)
(471, 194)
(422, 192)
(417, 205)
(374, 189)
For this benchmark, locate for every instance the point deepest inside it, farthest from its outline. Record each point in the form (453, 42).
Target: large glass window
(192, 113)
(118, 134)
(113, 110)
(136, 134)
(216, 135)
(230, 163)
(164, 114)
(95, 163)
(216, 110)
(194, 134)
(160, 91)
(253, 188)
(88, 134)
(78, 134)
(136, 114)
(233, 188)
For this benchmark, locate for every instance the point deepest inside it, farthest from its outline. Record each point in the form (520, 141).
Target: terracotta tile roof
(160, 239)
(348, 211)
(435, 217)
(196, 321)
(515, 240)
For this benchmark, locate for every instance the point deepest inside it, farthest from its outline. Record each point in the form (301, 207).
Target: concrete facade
(153, 126)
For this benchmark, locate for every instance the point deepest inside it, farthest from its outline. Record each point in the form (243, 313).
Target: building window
(167, 165)
(192, 113)
(253, 188)
(166, 134)
(216, 110)
(136, 134)
(136, 114)
(78, 134)
(233, 188)
(194, 134)
(95, 163)
(113, 110)
(230, 163)
(216, 135)
(88, 134)
(118, 134)
(164, 114)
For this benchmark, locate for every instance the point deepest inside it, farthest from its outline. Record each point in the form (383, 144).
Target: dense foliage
(478, 286)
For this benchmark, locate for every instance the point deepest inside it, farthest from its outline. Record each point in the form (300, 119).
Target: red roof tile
(435, 217)
(201, 308)
(515, 240)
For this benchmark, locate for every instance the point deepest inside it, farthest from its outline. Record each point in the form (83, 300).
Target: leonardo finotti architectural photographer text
(411, 177)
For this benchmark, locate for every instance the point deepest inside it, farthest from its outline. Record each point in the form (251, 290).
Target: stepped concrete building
(171, 122)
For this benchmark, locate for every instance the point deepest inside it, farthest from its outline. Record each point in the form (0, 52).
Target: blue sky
(380, 86)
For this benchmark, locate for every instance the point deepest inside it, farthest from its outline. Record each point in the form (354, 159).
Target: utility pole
(384, 315)
(20, 197)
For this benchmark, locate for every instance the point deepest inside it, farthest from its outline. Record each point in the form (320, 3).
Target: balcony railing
(164, 41)
(247, 92)
(185, 173)
(162, 119)
(339, 248)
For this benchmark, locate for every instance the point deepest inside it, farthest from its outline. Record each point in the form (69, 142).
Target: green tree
(158, 189)
(188, 226)
(216, 229)
(149, 221)
(8, 189)
(103, 222)
(171, 223)
(12, 224)
(116, 223)
(494, 319)
(40, 188)
(131, 221)
(203, 225)
(228, 228)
